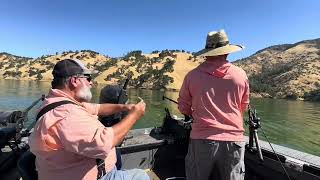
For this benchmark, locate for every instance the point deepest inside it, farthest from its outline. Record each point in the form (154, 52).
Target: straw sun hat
(218, 44)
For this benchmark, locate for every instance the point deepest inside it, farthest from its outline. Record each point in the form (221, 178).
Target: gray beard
(84, 94)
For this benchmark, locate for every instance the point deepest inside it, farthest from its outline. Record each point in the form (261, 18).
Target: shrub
(39, 76)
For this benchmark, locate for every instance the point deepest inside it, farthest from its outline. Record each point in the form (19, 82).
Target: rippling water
(293, 124)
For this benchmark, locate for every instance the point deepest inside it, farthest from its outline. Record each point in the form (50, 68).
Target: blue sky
(114, 27)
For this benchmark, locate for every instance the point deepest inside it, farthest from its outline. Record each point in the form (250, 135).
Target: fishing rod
(187, 118)
(123, 91)
(28, 109)
(164, 97)
(34, 103)
(19, 117)
(254, 125)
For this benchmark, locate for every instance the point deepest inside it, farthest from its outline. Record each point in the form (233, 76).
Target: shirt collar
(217, 68)
(62, 94)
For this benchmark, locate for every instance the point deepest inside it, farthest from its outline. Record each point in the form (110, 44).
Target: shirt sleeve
(185, 98)
(92, 108)
(83, 134)
(246, 96)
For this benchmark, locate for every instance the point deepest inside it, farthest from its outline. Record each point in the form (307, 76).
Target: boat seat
(6, 133)
(26, 166)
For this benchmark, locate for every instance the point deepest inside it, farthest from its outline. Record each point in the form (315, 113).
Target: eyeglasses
(89, 78)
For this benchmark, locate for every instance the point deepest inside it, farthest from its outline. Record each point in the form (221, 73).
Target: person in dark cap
(215, 94)
(68, 139)
(116, 95)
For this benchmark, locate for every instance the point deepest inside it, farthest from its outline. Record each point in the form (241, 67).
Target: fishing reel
(253, 120)
(177, 130)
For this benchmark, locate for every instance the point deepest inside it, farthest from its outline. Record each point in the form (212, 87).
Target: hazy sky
(114, 27)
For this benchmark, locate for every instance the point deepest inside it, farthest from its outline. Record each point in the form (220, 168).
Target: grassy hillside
(158, 70)
(282, 71)
(286, 71)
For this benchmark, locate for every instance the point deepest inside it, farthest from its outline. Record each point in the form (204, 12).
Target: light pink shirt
(68, 139)
(214, 94)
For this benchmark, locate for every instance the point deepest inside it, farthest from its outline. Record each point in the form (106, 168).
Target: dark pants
(118, 163)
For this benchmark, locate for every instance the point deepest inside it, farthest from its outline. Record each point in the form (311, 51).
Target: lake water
(294, 124)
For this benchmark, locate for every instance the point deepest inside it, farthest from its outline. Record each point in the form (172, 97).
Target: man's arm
(246, 97)
(108, 109)
(185, 99)
(244, 107)
(83, 135)
(122, 128)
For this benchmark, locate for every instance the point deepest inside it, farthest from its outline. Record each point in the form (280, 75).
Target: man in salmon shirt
(69, 139)
(215, 94)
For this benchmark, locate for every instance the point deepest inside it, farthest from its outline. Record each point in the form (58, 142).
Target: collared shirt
(214, 94)
(68, 139)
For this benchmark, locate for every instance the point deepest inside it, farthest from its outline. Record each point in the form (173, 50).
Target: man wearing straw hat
(215, 94)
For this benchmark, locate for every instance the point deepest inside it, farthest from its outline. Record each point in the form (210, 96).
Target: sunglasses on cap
(88, 77)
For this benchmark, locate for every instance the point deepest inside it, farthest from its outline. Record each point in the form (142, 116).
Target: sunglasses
(89, 78)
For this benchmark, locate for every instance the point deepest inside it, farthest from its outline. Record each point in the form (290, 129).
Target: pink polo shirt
(214, 94)
(68, 139)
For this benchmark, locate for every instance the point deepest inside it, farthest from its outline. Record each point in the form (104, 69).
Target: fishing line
(264, 134)
(255, 122)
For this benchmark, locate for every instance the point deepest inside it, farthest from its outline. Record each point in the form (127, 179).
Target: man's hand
(121, 129)
(138, 108)
(128, 107)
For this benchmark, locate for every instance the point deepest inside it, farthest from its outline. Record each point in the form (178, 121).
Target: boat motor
(12, 126)
(12, 131)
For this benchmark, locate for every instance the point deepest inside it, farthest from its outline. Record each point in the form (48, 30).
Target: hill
(280, 71)
(158, 70)
(285, 71)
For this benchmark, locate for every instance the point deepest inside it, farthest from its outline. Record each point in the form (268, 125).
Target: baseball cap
(70, 67)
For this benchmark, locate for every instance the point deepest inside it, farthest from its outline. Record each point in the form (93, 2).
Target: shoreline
(252, 94)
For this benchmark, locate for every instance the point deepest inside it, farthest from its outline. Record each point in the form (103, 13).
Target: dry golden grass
(302, 76)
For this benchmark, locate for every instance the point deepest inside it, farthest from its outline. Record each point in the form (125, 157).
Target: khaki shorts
(215, 160)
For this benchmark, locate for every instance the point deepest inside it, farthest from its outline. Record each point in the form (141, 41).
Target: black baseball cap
(70, 67)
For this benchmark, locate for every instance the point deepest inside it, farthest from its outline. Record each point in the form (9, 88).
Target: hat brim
(89, 72)
(230, 48)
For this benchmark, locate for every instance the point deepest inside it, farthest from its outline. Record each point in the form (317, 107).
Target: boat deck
(143, 140)
(146, 147)
(290, 153)
(142, 137)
